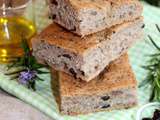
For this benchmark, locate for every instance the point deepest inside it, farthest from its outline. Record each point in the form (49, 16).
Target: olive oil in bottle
(12, 31)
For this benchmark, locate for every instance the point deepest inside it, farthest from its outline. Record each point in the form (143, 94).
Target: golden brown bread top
(100, 4)
(117, 76)
(60, 37)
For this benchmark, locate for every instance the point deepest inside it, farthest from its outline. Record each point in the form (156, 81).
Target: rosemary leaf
(154, 55)
(26, 69)
(16, 71)
(158, 28)
(38, 78)
(153, 68)
(156, 46)
(42, 72)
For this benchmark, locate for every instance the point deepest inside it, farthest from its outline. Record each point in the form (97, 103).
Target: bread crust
(85, 57)
(85, 17)
(117, 82)
(117, 75)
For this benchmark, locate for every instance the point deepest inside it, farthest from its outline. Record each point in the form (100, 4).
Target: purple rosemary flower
(26, 76)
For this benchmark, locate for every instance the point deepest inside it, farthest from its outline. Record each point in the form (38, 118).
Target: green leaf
(158, 28)
(145, 82)
(155, 55)
(42, 72)
(147, 68)
(25, 45)
(152, 96)
(38, 66)
(27, 62)
(153, 2)
(38, 78)
(155, 45)
(33, 85)
(16, 71)
(13, 77)
(157, 82)
(13, 64)
(153, 67)
(31, 62)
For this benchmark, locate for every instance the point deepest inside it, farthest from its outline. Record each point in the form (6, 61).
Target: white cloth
(12, 108)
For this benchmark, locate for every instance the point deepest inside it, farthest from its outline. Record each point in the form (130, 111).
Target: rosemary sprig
(26, 68)
(153, 2)
(153, 68)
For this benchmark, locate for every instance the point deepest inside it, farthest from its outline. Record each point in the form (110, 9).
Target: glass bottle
(17, 22)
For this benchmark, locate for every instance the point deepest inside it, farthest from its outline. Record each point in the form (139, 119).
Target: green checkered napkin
(43, 99)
